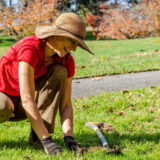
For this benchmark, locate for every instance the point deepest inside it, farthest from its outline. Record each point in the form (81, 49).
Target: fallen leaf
(133, 108)
(96, 78)
(151, 109)
(105, 126)
(102, 58)
(95, 60)
(28, 157)
(111, 109)
(154, 86)
(157, 41)
(78, 107)
(141, 95)
(122, 113)
(85, 107)
(81, 67)
(108, 44)
(125, 91)
(94, 47)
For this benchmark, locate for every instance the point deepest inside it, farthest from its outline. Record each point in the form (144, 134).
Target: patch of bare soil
(116, 150)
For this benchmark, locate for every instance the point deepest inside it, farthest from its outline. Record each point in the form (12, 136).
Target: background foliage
(107, 20)
(22, 22)
(140, 20)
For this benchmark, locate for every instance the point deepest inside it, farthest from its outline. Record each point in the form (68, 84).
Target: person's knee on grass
(6, 108)
(57, 77)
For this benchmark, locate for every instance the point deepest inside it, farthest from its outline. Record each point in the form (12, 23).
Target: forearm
(35, 119)
(27, 92)
(67, 120)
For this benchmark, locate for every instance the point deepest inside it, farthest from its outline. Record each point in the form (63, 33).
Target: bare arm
(27, 92)
(66, 110)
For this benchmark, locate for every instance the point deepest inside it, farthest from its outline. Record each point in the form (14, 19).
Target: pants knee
(5, 108)
(60, 72)
(59, 75)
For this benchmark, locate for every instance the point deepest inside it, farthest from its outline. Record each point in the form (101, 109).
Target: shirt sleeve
(28, 54)
(70, 66)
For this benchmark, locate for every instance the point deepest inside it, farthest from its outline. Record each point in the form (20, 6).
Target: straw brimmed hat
(68, 25)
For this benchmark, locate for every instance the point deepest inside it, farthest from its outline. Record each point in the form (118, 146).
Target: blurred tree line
(141, 19)
(108, 19)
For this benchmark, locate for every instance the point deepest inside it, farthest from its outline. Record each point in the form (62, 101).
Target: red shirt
(30, 50)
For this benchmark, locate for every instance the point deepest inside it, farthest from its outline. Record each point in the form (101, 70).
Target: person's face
(62, 45)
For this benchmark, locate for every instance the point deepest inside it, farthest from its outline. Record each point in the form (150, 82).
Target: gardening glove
(50, 147)
(72, 145)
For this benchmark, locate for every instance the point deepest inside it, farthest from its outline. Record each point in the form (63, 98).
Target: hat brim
(43, 32)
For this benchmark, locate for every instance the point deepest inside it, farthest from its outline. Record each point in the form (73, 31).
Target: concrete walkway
(92, 86)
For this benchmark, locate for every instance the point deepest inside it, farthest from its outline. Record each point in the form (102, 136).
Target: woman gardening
(36, 78)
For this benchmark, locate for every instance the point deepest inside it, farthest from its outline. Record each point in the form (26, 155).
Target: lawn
(116, 57)
(133, 115)
(111, 57)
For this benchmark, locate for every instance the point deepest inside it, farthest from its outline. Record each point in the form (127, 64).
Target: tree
(94, 19)
(137, 21)
(24, 21)
(10, 2)
(157, 21)
(2, 4)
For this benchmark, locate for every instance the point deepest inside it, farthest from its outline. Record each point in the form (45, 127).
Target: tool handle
(100, 135)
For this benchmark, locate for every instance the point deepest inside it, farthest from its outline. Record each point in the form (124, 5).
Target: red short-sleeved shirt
(30, 50)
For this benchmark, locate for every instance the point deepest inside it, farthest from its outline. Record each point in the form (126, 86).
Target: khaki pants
(48, 95)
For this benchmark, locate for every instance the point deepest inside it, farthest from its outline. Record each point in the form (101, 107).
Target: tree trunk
(10, 2)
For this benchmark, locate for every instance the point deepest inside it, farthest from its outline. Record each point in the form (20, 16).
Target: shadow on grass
(90, 141)
(23, 144)
(155, 137)
(10, 144)
(113, 138)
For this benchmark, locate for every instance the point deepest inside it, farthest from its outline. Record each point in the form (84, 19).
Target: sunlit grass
(111, 57)
(133, 115)
(116, 57)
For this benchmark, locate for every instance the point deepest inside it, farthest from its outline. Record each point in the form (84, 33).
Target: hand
(72, 145)
(50, 147)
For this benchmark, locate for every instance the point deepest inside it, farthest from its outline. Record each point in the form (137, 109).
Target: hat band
(70, 32)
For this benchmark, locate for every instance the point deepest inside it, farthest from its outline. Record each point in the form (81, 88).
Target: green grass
(5, 43)
(111, 57)
(133, 115)
(120, 57)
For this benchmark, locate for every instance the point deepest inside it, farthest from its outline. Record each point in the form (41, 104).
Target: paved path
(92, 86)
